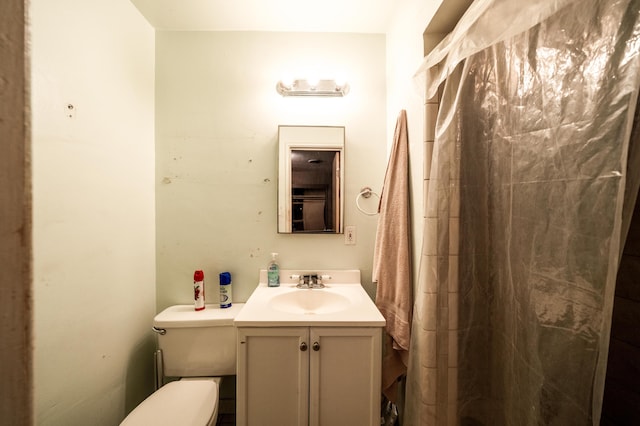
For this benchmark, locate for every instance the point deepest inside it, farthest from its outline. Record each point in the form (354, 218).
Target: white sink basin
(342, 303)
(309, 302)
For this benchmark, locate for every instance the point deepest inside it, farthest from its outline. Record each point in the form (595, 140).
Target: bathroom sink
(343, 302)
(309, 302)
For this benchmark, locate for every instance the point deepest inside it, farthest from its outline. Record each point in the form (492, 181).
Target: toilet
(197, 348)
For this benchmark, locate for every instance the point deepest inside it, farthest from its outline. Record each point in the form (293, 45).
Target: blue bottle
(225, 290)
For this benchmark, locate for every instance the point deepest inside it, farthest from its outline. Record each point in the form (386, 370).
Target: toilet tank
(197, 343)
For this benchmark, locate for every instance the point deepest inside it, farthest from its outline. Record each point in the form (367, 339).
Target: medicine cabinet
(311, 179)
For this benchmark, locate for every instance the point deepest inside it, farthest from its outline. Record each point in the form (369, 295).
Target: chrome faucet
(310, 281)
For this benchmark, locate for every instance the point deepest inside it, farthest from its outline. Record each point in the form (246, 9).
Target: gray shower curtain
(525, 213)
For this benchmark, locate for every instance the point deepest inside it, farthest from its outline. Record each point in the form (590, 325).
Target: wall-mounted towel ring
(366, 193)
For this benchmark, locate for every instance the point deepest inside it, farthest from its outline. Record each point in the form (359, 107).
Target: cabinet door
(345, 375)
(272, 376)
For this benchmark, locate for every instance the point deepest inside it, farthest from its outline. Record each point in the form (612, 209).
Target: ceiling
(355, 16)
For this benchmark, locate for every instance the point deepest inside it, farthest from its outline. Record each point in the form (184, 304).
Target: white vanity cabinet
(316, 376)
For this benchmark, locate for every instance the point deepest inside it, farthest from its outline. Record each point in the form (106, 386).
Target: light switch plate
(350, 235)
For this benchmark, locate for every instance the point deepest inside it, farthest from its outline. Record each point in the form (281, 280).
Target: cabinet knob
(316, 346)
(303, 346)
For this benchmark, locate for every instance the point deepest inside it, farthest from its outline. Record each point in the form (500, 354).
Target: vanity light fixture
(302, 87)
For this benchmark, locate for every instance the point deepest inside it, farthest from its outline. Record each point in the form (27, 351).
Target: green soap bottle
(273, 271)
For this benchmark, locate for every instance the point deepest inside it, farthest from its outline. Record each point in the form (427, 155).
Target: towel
(392, 261)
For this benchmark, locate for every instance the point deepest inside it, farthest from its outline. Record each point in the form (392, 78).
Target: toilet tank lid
(183, 316)
(190, 402)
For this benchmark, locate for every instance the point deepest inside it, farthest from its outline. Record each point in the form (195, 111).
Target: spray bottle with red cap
(198, 289)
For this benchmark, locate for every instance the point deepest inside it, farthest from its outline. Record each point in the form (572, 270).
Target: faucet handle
(318, 281)
(301, 280)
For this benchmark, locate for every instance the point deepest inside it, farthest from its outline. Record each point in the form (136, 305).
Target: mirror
(310, 179)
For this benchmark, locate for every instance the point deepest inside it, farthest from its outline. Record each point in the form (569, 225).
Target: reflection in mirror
(310, 179)
(314, 201)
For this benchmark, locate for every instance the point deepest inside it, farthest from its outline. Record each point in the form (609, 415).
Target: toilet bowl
(196, 347)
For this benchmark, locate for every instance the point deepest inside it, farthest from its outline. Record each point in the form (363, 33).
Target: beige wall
(404, 56)
(94, 242)
(216, 174)
(217, 117)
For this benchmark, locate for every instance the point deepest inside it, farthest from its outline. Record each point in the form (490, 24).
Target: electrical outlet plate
(350, 235)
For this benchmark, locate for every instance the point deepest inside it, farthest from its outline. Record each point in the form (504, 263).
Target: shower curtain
(525, 212)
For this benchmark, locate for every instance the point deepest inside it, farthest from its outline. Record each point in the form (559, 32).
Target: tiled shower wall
(440, 293)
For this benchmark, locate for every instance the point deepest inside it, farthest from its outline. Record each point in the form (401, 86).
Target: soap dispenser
(273, 271)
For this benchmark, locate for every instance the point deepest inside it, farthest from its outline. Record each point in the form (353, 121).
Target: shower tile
(425, 196)
(443, 319)
(429, 411)
(454, 198)
(443, 300)
(431, 115)
(430, 386)
(432, 198)
(443, 348)
(416, 318)
(426, 303)
(452, 419)
(453, 348)
(443, 380)
(428, 157)
(453, 159)
(429, 273)
(454, 235)
(443, 284)
(453, 274)
(428, 350)
(430, 244)
(453, 311)
(426, 124)
(452, 386)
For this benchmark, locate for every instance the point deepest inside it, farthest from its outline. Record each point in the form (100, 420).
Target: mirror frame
(307, 138)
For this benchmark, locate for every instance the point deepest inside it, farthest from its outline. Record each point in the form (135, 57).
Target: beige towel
(392, 261)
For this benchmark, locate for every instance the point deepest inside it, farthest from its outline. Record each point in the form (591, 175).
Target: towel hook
(366, 193)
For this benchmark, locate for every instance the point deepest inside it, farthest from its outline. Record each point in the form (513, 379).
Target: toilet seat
(183, 402)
